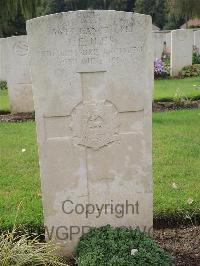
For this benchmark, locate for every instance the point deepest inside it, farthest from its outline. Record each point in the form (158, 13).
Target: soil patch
(183, 243)
(22, 117)
(167, 106)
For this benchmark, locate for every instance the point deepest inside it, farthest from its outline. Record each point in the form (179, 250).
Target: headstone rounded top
(85, 12)
(182, 34)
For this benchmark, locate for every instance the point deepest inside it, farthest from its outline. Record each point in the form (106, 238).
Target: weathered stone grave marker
(3, 59)
(197, 39)
(92, 74)
(18, 75)
(159, 39)
(168, 43)
(181, 50)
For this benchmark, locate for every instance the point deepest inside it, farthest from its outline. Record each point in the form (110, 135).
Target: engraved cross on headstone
(95, 120)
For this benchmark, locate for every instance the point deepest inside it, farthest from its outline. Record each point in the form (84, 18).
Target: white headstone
(18, 75)
(168, 43)
(181, 50)
(159, 43)
(92, 74)
(3, 60)
(197, 39)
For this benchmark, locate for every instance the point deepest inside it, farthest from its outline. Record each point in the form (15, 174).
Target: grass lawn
(4, 101)
(176, 159)
(19, 178)
(166, 89)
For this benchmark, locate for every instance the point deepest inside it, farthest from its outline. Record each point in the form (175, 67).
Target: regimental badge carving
(95, 125)
(21, 48)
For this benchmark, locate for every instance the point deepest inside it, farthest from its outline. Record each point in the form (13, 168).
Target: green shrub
(23, 250)
(166, 57)
(196, 56)
(190, 71)
(112, 246)
(3, 85)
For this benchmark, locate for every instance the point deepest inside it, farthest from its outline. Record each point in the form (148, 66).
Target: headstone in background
(3, 60)
(168, 43)
(159, 39)
(197, 39)
(18, 75)
(92, 74)
(181, 50)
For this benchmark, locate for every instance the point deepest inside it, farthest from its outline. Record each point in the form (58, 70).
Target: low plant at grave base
(3, 85)
(190, 71)
(180, 99)
(160, 69)
(119, 246)
(196, 56)
(166, 60)
(27, 250)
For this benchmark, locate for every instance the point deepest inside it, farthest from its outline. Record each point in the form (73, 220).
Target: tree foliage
(53, 6)
(168, 14)
(14, 26)
(13, 14)
(185, 8)
(155, 8)
(9, 8)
